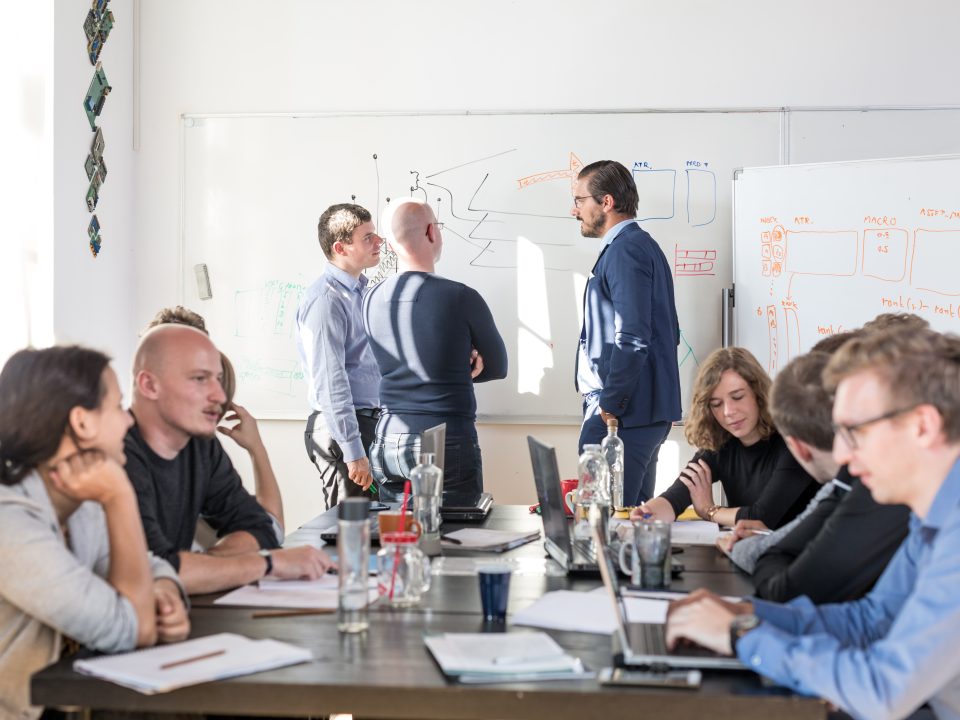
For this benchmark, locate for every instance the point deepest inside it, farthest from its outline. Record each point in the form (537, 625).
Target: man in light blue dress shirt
(897, 419)
(342, 376)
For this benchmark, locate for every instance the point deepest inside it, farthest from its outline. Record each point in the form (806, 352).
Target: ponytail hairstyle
(38, 389)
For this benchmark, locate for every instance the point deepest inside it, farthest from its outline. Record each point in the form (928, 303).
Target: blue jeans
(394, 455)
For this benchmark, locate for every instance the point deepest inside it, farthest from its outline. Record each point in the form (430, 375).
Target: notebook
(644, 644)
(167, 667)
(503, 657)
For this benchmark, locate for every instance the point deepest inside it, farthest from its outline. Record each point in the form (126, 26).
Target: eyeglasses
(438, 224)
(578, 200)
(848, 432)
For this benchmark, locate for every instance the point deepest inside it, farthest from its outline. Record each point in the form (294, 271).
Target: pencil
(195, 658)
(292, 613)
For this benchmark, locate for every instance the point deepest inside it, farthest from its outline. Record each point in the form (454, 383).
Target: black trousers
(325, 453)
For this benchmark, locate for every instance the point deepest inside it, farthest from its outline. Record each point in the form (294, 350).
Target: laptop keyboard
(653, 638)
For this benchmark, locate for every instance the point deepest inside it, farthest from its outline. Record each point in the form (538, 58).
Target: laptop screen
(546, 475)
(608, 571)
(434, 440)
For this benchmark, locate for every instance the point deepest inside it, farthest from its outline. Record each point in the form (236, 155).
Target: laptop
(644, 644)
(572, 555)
(434, 440)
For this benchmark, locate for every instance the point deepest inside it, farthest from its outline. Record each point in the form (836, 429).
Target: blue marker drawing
(703, 183)
(657, 190)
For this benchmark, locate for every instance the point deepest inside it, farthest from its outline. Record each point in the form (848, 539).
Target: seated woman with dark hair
(739, 447)
(72, 548)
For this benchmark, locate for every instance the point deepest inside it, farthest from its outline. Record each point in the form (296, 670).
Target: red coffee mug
(565, 487)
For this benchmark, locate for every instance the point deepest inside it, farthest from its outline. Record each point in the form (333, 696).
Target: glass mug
(390, 521)
(650, 562)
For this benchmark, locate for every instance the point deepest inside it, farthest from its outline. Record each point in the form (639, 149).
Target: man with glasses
(627, 357)
(896, 416)
(342, 375)
(433, 338)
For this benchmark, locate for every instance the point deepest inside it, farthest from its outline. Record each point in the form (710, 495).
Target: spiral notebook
(168, 667)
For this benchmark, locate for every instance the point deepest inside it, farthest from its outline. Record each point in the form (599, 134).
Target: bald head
(162, 342)
(415, 237)
(177, 391)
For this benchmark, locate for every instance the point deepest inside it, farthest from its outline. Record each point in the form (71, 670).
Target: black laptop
(573, 555)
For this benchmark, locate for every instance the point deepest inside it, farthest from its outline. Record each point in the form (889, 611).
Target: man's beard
(592, 229)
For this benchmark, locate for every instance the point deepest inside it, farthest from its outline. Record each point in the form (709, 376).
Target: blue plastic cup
(494, 592)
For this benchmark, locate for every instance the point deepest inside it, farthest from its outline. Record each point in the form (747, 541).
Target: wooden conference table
(387, 672)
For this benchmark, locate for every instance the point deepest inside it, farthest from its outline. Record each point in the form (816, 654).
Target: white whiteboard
(823, 248)
(254, 187)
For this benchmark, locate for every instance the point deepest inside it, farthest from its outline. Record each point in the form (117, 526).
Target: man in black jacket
(837, 548)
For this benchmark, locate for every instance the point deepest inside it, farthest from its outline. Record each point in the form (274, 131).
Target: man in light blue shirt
(897, 419)
(342, 376)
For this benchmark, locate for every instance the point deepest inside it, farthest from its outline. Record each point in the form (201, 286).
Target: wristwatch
(740, 626)
(265, 554)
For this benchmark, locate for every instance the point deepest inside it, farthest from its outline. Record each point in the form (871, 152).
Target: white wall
(212, 56)
(26, 126)
(93, 299)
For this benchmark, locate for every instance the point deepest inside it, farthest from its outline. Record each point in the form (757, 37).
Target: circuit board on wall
(96, 27)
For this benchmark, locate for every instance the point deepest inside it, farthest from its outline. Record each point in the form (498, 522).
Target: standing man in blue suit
(627, 359)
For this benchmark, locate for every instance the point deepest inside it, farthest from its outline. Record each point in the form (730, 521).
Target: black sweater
(763, 480)
(837, 552)
(200, 482)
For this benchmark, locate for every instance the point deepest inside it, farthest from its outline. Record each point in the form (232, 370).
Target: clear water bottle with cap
(353, 550)
(427, 481)
(612, 447)
(594, 489)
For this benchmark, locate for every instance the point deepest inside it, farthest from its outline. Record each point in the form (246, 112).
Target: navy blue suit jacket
(630, 332)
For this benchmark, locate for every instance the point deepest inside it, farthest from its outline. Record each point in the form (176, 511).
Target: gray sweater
(49, 589)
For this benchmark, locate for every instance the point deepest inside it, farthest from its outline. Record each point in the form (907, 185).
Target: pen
(195, 658)
(292, 613)
(761, 532)
(450, 539)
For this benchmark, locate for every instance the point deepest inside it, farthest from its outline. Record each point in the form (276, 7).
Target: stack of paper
(503, 657)
(312, 594)
(167, 667)
(694, 532)
(488, 540)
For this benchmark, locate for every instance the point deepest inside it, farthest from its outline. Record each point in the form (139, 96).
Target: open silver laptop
(644, 644)
(434, 440)
(573, 555)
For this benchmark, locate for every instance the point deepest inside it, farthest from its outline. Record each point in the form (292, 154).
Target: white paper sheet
(589, 612)
(320, 593)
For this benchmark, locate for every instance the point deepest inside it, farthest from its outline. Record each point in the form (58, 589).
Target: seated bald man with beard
(181, 473)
